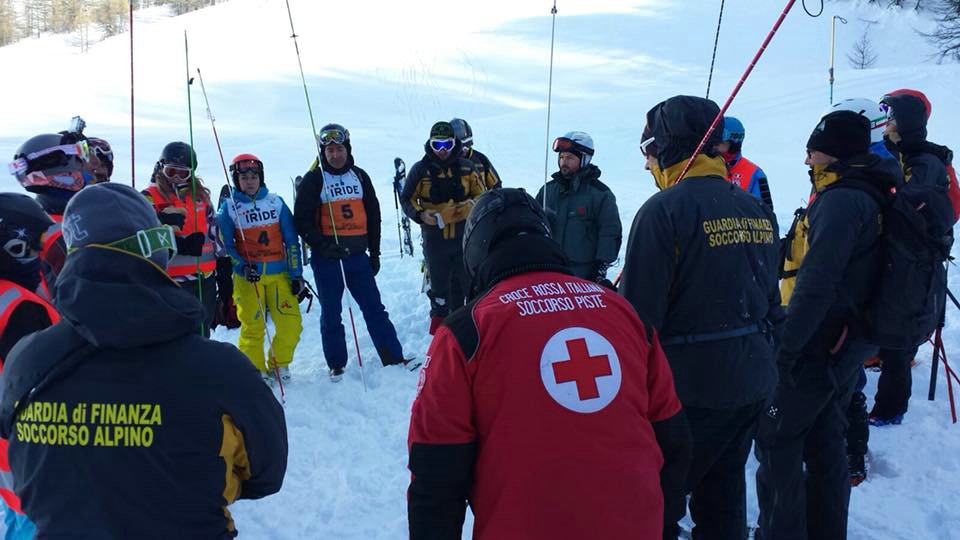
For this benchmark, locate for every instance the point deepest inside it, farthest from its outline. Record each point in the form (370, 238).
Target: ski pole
(333, 224)
(716, 41)
(133, 147)
(546, 152)
(193, 176)
(236, 211)
(736, 89)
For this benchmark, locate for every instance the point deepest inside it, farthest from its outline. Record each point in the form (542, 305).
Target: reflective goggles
(148, 241)
(887, 110)
(176, 171)
(645, 146)
(563, 144)
(80, 149)
(247, 166)
(103, 154)
(441, 144)
(336, 136)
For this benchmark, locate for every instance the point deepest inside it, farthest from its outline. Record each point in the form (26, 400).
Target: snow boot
(858, 469)
(336, 374)
(895, 420)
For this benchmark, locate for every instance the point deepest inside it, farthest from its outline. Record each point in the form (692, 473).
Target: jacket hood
(702, 166)
(118, 300)
(679, 124)
(910, 114)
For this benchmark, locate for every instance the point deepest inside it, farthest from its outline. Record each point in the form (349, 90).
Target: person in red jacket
(545, 401)
(22, 225)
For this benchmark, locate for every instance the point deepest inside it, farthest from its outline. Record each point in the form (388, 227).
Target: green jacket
(584, 220)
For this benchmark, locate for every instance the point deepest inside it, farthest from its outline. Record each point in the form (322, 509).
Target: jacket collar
(704, 165)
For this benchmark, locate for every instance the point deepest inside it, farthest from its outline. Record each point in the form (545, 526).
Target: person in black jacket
(701, 268)
(438, 194)
(822, 345)
(123, 401)
(485, 170)
(925, 163)
(338, 215)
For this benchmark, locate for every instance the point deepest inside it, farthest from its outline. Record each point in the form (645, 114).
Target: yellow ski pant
(282, 306)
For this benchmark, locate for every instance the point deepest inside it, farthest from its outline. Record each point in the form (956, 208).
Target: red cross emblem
(580, 370)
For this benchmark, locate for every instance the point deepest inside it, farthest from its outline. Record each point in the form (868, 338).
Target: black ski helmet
(22, 224)
(38, 167)
(462, 131)
(245, 159)
(180, 154)
(497, 215)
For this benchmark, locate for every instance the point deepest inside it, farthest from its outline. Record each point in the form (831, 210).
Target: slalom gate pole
(133, 147)
(193, 174)
(546, 153)
(736, 89)
(236, 212)
(716, 41)
(336, 236)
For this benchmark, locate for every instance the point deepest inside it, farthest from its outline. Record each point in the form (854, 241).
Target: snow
(388, 70)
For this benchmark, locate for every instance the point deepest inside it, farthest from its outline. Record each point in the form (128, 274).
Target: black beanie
(442, 130)
(841, 134)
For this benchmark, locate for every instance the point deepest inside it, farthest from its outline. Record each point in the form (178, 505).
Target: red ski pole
(736, 89)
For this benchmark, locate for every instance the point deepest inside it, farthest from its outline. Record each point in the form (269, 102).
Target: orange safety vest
(742, 173)
(11, 296)
(54, 258)
(186, 265)
(342, 196)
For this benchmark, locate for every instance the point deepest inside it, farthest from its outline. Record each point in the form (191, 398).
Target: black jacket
(488, 175)
(124, 403)
(307, 206)
(701, 264)
(584, 219)
(842, 262)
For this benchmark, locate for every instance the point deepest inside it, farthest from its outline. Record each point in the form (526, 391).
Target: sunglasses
(336, 136)
(441, 144)
(645, 144)
(176, 171)
(248, 166)
(22, 165)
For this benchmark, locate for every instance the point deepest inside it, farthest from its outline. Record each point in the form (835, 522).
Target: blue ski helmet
(733, 130)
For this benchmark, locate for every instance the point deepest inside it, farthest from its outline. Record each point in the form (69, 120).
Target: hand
(191, 244)
(604, 282)
(333, 251)
(429, 217)
(250, 273)
(299, 289)
(174, 217)
(375, 263)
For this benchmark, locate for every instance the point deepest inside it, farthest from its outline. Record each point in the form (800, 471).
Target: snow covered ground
(388, 70)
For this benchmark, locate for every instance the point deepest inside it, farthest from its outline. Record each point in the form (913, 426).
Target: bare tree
(946, 37)
(8, 31)
(863, 55)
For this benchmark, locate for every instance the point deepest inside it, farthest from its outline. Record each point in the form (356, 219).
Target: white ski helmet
(576, 142)
(866, 107)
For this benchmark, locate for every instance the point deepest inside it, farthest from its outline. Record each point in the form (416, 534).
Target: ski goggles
(645, 146)
(21, 165)
(104, 154)
(176, 171)
(148, 241)
(442, 144)
(335, 136)
(248, 166)
(18, 248)
(887, 110)
(563, 144)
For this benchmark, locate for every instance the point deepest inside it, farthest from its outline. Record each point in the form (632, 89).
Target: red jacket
(545, 390)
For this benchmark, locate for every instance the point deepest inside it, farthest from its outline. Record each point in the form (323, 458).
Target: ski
(406, 241)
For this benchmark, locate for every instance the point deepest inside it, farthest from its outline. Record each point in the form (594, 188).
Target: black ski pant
(448, 277)
(715, 481)
(895, 384)
(805, 425)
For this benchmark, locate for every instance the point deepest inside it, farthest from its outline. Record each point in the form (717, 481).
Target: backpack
(916, 235)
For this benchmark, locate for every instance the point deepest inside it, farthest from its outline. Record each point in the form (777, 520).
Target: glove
(174, 217)
(604, 282)
(299, 289)
(332, 251)
(375, 262)
(191, 244)
(250, 273)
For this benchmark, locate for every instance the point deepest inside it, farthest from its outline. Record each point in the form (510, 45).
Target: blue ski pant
(363, 288)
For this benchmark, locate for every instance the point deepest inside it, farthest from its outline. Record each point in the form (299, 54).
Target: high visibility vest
(54, 253)
(258, 235)
(342, 198)
(742, 172)
(186, 265)
(11, 296)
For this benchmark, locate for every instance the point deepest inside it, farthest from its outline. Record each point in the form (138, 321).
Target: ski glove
(250, 273)
(333, 251)
(173, 217)
(191, 244)
(299, 289)
(375, 263)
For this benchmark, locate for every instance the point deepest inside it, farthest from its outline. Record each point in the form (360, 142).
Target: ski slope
(387, 71)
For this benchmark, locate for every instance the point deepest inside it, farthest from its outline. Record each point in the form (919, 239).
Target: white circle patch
(580, 370)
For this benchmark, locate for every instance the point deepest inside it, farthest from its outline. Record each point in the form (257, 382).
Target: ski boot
(858, 469)
(336, 374)
(895, 420)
